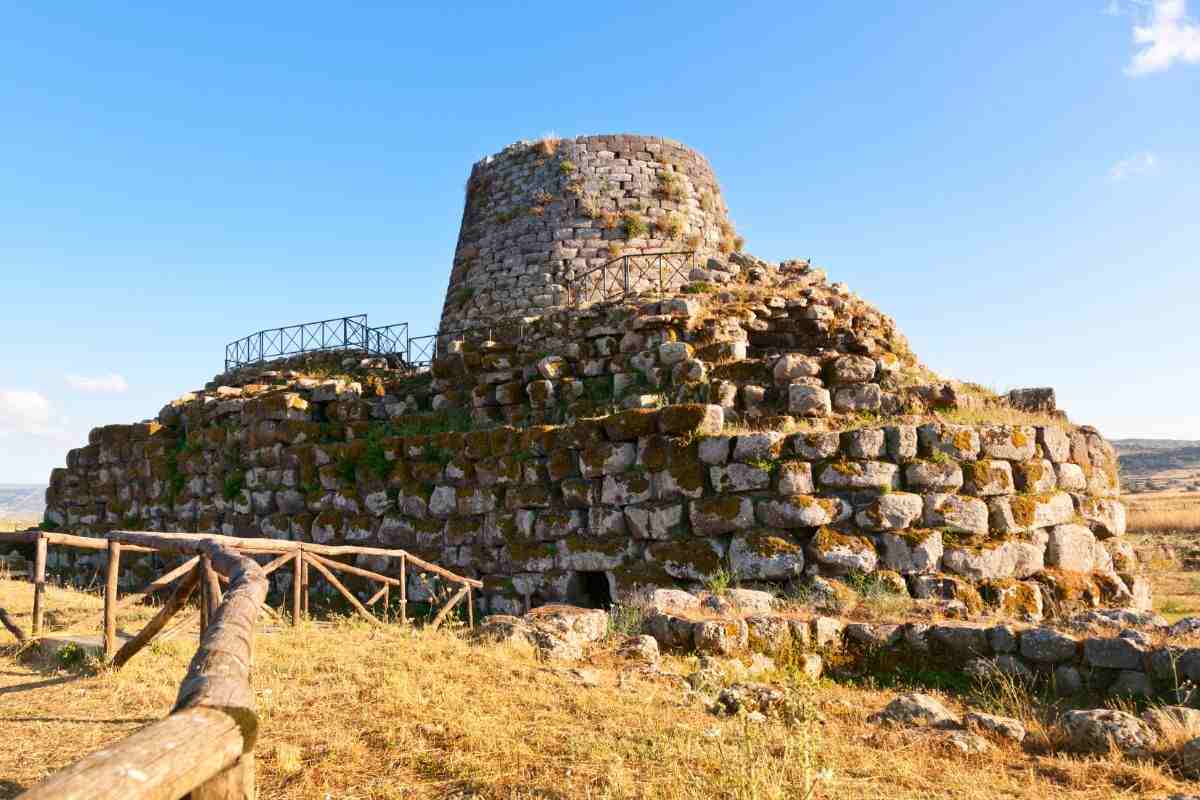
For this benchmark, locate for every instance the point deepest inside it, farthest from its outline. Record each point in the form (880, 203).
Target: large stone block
(711, 516)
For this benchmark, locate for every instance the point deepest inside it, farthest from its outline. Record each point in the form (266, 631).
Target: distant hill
(1173, 462)
(22, 501)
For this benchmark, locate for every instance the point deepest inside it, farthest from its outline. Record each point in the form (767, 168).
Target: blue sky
(1017, 183)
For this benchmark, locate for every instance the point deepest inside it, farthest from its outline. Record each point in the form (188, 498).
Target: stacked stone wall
(538, 214)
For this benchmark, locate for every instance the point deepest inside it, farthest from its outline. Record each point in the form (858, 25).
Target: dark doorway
(591, 590)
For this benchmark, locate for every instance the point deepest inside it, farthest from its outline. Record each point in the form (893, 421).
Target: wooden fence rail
(205, 747)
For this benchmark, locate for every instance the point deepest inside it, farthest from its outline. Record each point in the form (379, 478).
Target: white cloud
(104, 383)
(1169, 36)
(1134, 167)
(25, 412)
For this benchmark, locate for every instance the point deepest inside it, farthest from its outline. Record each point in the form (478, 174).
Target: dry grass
(1164, 513)
(1165, 527)
(350, 711)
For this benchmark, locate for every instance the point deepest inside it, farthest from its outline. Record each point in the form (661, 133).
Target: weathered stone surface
(915, 709)
(791, 366)
(670, 599)
(912, 551)
(840, 553)
(688, 559)
(1113, 653)
(872, 635)
(959, 442)
(809, 401)
(933, 476)
(816, 446)
(1071, 547)
(765, 555)
(1055, 443)
(1036, 477)
(801, 511)
(715, 450)
(1009, 442)
(721, 637)
(864, 443)
(761, 446)
(856, 397)
(987, 477)
(1026, 512)
(794, 477)
(901, 442)
(852, 369)
(890, 512)
(1106, 516)
(662, 521)
(1173, 721)
(981, 563)
(1070, 477)
(1047, 646)
(711, 516)
(1002, 727)
(1099, 730)
(956, 512)
(738, 477)
(827, 631)
(859, 475)
(643, 648)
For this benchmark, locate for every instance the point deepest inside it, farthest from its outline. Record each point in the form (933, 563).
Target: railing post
(297, 585)
(39, 583)
(403, 590)
(110, 599)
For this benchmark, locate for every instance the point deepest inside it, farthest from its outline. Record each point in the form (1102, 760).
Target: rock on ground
(915, 709)
(1099, 730)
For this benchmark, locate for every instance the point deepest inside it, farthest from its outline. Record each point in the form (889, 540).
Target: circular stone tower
(538, 215)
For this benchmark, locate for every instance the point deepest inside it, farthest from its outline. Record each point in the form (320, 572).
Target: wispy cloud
(1168, 36)
(1134, 167)
(27, 412)
(105, 383)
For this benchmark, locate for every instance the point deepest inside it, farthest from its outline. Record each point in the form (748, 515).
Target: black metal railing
(632, 274)
(342, 333)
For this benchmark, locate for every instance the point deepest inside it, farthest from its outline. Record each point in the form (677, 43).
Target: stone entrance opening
(590, 590)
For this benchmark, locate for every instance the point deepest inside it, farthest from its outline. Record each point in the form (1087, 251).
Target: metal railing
(622, 276)
(631, 274)
(341, 333)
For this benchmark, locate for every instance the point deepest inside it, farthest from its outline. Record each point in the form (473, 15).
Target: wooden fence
(205, 747)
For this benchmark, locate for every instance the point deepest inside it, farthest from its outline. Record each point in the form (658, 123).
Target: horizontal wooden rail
(206, 745)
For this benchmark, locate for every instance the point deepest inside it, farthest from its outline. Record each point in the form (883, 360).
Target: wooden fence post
(235, 783)
(297, 586)
(110, 599)
(39, 583)
(403, 591)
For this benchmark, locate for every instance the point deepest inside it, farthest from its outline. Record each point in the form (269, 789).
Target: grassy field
(350, 711)
(1165, 527)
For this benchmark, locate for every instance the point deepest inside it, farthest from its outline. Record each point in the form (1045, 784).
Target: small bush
(625, 620)
(699, 288)
(234, 483)
(671, 226)
(566, 167)
(670, 187)
(633, 225)
(718, 583)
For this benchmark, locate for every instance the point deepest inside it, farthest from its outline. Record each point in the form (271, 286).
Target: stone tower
(539, 214)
